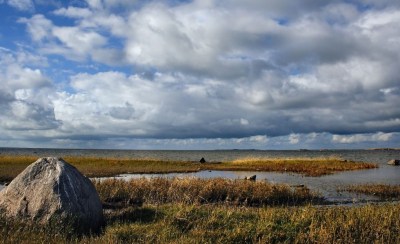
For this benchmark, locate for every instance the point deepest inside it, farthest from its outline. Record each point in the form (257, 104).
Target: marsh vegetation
(159, 191)
(188, 223)
(192, 210)
(382, 191)
(11, 166)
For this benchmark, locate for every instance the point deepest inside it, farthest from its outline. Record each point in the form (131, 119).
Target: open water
(325, 185)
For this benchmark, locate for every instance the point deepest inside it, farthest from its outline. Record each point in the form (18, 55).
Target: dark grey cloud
(124, 112)
(20, 115)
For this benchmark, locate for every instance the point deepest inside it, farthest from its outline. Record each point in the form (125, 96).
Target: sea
(328, 186)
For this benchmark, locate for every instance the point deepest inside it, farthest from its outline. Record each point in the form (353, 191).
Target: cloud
(294, 139)
(73, 12)
(27, 116)
(22, 5)
(24, 94)
(240, 73)
(376, 137)
(39, 27)
(124, 112)
(77, 43)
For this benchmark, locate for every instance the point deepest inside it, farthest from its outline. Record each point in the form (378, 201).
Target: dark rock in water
(51, 189)
(299, 186)
(251, 178)
(202, 160)
(394, 162)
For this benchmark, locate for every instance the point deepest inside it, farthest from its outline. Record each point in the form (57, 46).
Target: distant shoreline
(216, 149)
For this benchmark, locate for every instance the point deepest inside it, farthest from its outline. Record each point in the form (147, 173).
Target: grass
(11, 166)
(193, 210)
(305, 166)
(182, 223)
(380, 190)
(159, 191)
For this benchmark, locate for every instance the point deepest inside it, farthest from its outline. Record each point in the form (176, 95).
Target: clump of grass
(11, 166)
(381, 190)
(306, 166)
(201, 191)
(22, 231)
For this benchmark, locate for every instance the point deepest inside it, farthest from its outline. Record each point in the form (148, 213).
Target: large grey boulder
(51, 189)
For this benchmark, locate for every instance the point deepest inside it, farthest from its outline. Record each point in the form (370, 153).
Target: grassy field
(192, 210)
(380, 190)
(305, 166)
(182, 223)
(11, 166)
(159, 191)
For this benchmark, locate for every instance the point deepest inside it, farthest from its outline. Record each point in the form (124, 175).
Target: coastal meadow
(11, 165)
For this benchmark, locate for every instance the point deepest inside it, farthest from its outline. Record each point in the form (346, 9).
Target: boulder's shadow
(130, 215)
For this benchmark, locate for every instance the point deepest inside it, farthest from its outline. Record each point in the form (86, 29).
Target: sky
(202, 74)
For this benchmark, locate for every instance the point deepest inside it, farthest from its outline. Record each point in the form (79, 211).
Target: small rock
(299, 186)
(394, 162)
(202, 160)
(251, 178)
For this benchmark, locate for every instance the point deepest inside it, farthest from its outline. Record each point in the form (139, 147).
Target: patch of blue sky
(360, 5)
(178, 2)
(299, 69)
(49, 5)
(60, 20)
(112, 41)
(10, 30)
(282, 21)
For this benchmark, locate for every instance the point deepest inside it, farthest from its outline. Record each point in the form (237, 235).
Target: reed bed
(201, 191)
(11, 166)
(305, 166)
(181, 223)
(380, 190)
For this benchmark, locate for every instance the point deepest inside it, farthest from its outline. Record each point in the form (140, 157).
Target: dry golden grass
(180, 223)
(201, 191)
(381, 190)
(306, 166)
(11, 166)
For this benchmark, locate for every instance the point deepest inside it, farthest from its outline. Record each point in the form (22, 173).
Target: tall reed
(381, 190)
(202, 191)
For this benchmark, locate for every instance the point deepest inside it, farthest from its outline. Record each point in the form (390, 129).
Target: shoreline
(11, 166)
